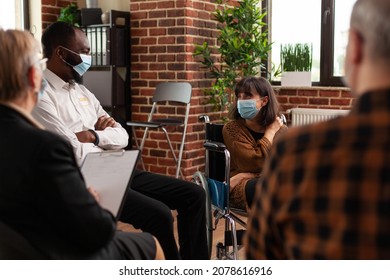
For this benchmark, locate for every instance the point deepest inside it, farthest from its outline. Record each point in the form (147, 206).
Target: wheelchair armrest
(214, 146)
(204, 118)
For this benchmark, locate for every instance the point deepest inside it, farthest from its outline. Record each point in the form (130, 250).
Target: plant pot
(91, 4)
(296, 79)
(106, 17)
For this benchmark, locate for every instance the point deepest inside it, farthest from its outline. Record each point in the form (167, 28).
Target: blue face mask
(42, 89)
(247, 108)
(83, 66)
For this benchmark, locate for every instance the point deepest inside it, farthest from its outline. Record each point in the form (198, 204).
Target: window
(14, 14)
(324, 23)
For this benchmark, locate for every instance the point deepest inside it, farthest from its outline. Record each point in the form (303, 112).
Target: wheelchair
(215, 181)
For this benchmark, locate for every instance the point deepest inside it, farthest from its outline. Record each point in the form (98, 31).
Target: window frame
(26, 14)
(327, 77)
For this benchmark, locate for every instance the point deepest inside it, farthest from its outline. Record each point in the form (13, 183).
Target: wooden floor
(218, 235)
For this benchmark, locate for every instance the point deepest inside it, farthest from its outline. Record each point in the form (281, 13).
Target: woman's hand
(236, 179)
(274, 127)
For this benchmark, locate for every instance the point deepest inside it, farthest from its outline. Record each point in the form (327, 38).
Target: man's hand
(94, 194)
(85, 136)
(103, 122)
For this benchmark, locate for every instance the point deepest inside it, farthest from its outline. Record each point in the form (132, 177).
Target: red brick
(148, 41)
(288, 92)
(319, 101)
(139, 15)
(149, 23)
(148, 6)
(308, 92)
(298, 100)
(329, 93)
(149, 75)
(346, 94)
(165, 4)
(157, 67)
(166, 40)
(49, 18)
(158, 169)
(157, 14)
(157, 31)
(176, 66)
(176, 31)
(49, 2)
(158, 49)
(166, 58)
(341, 102)
(167, 22)
(166, 75)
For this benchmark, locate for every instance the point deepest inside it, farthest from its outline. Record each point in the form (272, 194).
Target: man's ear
(33, 78)
(59, 52)
(356, 46)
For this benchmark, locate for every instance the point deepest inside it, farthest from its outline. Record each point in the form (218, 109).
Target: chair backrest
(13, 246)
(173, 91)
(216, 160)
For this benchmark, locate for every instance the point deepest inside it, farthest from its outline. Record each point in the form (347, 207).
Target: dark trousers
(148, 206)
(250, 189)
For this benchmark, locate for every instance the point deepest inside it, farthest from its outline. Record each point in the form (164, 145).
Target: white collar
(56, 81)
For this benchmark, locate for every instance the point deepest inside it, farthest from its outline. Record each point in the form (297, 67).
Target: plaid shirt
(326, 189)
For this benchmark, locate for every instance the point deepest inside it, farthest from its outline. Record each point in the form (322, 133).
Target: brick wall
(51, 10)
(163, 37)
(314, 97)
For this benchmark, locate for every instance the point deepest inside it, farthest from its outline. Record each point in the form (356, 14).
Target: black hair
(57, 34)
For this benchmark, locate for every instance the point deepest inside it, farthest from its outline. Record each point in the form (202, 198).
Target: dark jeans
(148, 206)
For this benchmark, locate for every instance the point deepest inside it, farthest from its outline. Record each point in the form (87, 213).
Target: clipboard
(109, 173)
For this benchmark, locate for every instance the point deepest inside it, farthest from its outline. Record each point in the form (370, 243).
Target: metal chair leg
(138, 147)
(178, 170)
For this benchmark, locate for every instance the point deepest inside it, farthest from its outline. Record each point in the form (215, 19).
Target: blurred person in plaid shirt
(325, 192)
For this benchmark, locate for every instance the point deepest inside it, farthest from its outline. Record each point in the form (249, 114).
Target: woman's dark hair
(269, 112)
(57, 34)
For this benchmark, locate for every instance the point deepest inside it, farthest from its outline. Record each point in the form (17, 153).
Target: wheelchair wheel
(199, 179)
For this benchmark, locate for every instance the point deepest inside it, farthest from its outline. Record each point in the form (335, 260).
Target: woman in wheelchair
(255, 124)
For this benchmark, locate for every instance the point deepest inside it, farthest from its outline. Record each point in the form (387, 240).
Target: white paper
(109, 173)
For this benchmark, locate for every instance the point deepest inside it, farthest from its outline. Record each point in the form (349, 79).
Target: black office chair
(13, 246)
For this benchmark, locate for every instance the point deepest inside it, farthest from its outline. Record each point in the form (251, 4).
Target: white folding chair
(179, 92)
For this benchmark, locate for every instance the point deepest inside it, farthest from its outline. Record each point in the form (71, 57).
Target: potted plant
(70, 14)
(296, 62)
(242, 49)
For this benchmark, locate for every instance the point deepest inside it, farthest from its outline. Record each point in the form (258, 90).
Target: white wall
(36, 18)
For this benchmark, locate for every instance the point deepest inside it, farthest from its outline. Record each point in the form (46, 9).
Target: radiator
(302, 116)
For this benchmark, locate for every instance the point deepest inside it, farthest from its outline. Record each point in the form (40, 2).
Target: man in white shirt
(71, 110)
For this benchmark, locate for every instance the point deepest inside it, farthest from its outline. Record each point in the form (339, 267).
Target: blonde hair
(18, 53)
